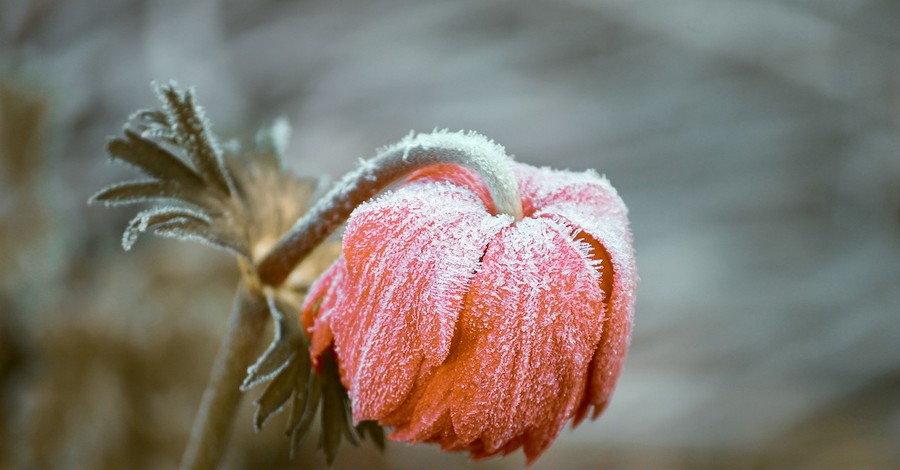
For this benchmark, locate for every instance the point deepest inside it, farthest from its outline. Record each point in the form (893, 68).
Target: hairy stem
(212, 426)
(488, 159)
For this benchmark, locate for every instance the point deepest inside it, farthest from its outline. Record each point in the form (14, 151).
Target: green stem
(212, 426)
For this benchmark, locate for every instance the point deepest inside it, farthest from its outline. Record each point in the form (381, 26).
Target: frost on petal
(409, 258)
(592, 208)
(517, 368)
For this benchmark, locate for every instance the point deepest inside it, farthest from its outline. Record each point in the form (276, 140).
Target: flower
(458, 326)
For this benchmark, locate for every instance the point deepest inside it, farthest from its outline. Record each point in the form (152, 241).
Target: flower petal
(410, 256)
(589, 205)
(320, 304)
(524, 342)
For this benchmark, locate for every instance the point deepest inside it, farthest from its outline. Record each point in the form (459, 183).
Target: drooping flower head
(473, 330)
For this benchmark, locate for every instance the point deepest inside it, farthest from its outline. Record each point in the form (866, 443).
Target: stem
(212, 426)
(488, 159)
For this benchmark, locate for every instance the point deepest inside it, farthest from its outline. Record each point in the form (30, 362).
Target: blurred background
(756, 143)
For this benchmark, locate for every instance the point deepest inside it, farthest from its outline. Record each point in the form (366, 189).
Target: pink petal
(410, 256)
(319, 306)
(588, 203)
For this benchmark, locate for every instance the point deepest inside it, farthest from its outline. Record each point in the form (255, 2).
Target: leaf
(335, 406)
(301, 391)
(273, 361)
(197, 230)
(138, 191)
(373, 430)
(276, 395)
(152, 159)
(287, 345)
(314, 385)
(149, 218)
(192, 130)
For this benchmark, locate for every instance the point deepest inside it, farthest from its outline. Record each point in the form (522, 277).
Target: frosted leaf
(138, 191)
(285, 344)
(151, 158)
(276, 394)
(149, 218)
(189, 123)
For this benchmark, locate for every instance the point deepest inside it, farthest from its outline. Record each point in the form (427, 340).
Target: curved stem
(488, 159)
(212, 426)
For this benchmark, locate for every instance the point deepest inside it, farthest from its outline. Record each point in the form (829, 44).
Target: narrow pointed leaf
(134, 192)
(276, 358)
(347, 427)
(330, 439)
(156, 216)
(192, 229)
(191, 128)
(309, 412)
(275, 396)
(333, 419)
(372, 431)
(157, 133)
(152, 159)
(287, 343)
(301, 390)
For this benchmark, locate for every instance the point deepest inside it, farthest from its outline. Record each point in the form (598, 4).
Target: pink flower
(472, 330)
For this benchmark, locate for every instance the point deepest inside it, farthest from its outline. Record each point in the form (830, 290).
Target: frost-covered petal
(589, 205)
(410, 256)
(525, 338)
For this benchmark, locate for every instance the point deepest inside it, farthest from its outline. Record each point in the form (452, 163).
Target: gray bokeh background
(756, 143)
